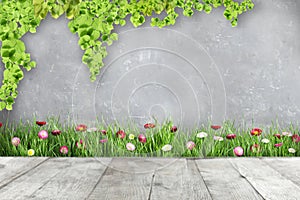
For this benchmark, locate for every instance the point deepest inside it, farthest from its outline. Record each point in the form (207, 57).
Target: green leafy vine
(94, 22)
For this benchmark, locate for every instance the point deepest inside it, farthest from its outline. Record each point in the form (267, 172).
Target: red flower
(215, 127)
(121, 134)
(64, 150)
(81, 127)
(238, 151)
(103, 140)
(56, 132)
(103, 132)
(296, 138)
(231, 136)
(277, 135)
(142, 138)
(41, 123)
(190, 145)
(173, 129)
(278, 145)
(256, 131)
(79, 144)
(255, 148)
(43, 134)
(149, 125)
(1, 124)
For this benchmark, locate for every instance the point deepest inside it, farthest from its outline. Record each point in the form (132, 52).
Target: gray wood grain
(287, 167)
(267, 181)
(141, 165)
(224, 182)
(149, 178)
(127, 178)
(181, 180)
(75, 181)
(57, 178)
(14, 167)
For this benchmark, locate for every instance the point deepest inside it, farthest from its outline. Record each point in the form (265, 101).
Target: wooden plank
(57, 178)
(140, 165)
(75, 181)
(224, 182)
(128, 178)
(287, 167)
(268, 182)
(181, 180)
(14, 167)
(149, 178)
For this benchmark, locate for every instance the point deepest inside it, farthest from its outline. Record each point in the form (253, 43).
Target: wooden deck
(149, 178)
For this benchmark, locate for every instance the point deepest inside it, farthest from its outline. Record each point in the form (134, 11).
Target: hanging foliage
(93, 21)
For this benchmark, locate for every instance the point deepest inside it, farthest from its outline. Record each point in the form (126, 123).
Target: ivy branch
(94, 22)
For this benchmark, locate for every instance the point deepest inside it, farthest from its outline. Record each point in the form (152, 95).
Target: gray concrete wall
(201, 68)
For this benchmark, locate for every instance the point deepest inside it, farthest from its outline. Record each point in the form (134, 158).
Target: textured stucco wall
(198, 69)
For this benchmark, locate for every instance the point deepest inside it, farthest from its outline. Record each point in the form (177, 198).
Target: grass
(157, 137)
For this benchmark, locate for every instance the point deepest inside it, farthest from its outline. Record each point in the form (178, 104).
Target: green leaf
(114, 36)
(20, 46)
(8, 44)
(12, 52)
(199, 6)
(250, 6)
(8, 106)
(72, 28)
(207, 8)
(19, 75)
(104, 38)
(33, 23)
(70, 14)
(217, 3)
(234, 22)
(56, 11)
(188, 12)
(13, 26)
(14, 94)
(227, 14)
(10, 100)
(110, 20)
(83, 21)
(37, 2)
(83, 40)
(32, 64)
(122, 22)
(109, 42)
(2, 105)
(4, 53)
(95, 35)
(82, 32)
(141, 19)
(86, 38)
(43, 12)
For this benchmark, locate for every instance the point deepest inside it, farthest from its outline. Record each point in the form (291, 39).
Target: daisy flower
(202, 135)
(167, 147)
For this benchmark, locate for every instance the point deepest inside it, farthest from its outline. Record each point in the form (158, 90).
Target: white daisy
(167, 147)
(287, 134)
(218, 138)
(292, 150)
(93, 129)
(130, 147)
(265, 140)
(202, 135)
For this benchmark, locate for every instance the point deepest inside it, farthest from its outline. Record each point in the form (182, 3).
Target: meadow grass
(157, 137)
